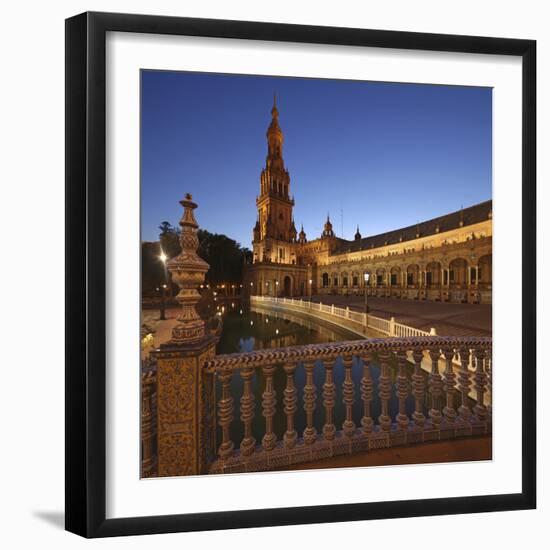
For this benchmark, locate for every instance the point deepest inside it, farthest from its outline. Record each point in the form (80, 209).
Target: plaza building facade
(448, 258)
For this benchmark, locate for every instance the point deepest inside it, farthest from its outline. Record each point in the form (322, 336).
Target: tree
(152, 269)
(169, 239)
(224, 255)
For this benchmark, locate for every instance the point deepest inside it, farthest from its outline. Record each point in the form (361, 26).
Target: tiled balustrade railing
(443, 404)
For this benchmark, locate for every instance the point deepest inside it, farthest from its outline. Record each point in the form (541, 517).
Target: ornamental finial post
(188, 271)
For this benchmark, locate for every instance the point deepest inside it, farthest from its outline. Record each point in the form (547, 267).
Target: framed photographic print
(300, 274)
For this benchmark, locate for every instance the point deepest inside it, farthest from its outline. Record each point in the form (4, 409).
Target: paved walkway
(162, 330)
(447, 319)
(453, 450)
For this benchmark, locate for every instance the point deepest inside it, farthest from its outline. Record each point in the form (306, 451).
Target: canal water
(246, 330)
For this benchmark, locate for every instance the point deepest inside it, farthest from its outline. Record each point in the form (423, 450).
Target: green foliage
(224, 255)
(169, 239)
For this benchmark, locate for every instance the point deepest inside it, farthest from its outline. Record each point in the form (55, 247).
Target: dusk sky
(384, 155)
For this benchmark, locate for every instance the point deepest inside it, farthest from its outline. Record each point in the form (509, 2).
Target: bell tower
(274, 202)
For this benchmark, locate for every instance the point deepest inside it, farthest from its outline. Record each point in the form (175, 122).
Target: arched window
(325, 279)
(345, 278)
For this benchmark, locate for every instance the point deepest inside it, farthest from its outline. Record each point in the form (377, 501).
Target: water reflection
(247, 330)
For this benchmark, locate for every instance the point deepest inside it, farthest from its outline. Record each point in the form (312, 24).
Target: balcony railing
(452, 399)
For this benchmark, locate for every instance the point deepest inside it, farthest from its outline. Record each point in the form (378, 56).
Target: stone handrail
(311, 352)
(450, 412)
(387, 327)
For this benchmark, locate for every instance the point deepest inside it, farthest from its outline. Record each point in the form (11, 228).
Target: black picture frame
(86, 284)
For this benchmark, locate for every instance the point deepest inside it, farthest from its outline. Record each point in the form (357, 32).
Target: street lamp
(366, 277)
(310, 285)
(276, 289)
(163, 257)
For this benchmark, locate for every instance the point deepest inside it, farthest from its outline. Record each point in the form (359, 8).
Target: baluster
(268, 408)
(419, 389)
(489, 372)
(435, 387)
(402, 390)
(147, 426)
(310, 433)
(449, 386)
(290, 400)
(464, 385)
(366, 396)
(225, 414)
(247, 411)
(480, 381)
(347, 391)
(329, 393)
(384, 392)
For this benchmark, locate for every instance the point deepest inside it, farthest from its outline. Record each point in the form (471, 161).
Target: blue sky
(381, 155)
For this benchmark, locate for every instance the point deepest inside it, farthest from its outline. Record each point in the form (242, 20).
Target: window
(355, 280)
(325, 279)
(410, 279)
(452, 275)
(393, 279)
(345, 281)
(473, 274)
(335, 281)
(429, 277)
(379, 279)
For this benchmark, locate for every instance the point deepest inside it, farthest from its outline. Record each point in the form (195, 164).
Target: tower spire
(274, 111)
(327, 231)
(274, 202)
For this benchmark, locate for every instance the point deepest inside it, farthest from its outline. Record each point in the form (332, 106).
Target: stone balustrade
(355, 321)
(443, 404)
(148, 421)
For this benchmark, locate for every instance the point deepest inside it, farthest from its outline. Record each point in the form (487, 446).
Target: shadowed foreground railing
(459, 368)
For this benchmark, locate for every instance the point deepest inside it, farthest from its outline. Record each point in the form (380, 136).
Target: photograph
(316, 273)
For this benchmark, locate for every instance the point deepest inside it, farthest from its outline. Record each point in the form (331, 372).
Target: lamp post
(310, 283)
(276, 289)
(163, 259)
(366, 281)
